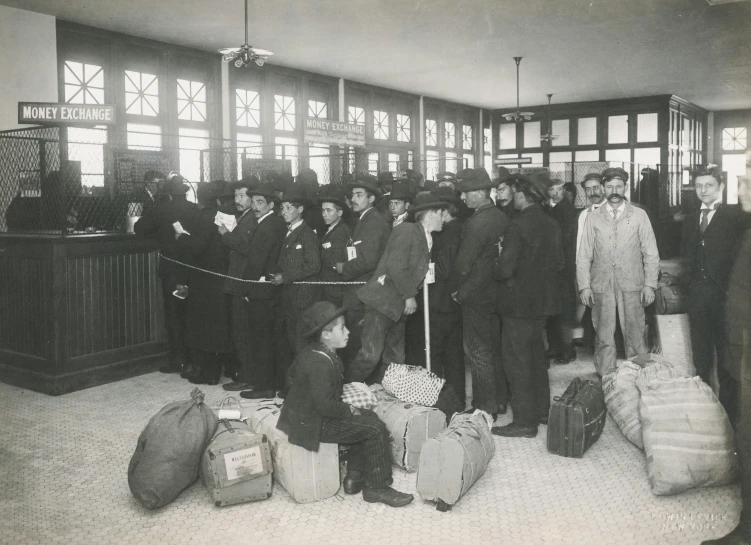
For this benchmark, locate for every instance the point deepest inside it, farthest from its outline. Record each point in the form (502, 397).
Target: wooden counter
(78, 311)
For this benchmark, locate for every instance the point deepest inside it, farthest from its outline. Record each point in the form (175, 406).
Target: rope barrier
(319, 282)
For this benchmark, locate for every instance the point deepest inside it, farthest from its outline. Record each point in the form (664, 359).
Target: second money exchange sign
(326, 131)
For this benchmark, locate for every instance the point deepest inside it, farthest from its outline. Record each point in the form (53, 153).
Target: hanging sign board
(50, 113)
(513, 161)
(335, 133)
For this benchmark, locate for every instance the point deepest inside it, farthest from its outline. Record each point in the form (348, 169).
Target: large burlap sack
(622, 400)
(657, 366)
(687, 435)
(169, 451)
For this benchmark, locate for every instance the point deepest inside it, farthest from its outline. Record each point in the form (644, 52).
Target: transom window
(380, 125)
(431, 132)
(449, 135)
(247, 108)
(191, 100)
(84, 83)
(356, 115)
(403, 131)
(734, 139)
(141, 94)
(284, 113)
(466, 136)
(317, 109)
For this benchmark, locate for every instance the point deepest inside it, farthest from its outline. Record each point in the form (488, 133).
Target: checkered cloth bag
(412, 384)
(358, 395)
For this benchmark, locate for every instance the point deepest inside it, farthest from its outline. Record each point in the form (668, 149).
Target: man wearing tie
(711, 238)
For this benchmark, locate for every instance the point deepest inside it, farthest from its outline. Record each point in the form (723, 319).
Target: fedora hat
(385, 177)
(400, 192)
(317, 316)
(331, 193)
(366, 181)
(296, 193)
(446, 194)
(263, 190)
(473, 179)
(425, 200)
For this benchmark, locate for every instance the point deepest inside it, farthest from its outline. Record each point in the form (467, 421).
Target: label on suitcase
(576, 419)
(236, 466)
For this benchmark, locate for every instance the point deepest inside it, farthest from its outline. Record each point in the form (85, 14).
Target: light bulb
(238, 62)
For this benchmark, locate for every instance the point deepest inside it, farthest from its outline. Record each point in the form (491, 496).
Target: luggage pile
(676, 419)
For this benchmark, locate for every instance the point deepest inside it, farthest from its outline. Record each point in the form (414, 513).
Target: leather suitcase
(410, 426)
(454, 460)
(576, 418)
(236, 466)
(306, 475)
(671, 300)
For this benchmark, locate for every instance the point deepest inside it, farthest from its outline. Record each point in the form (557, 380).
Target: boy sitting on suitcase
(314, 413)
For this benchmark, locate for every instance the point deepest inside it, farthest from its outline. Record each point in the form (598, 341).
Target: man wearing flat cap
(158, 222)
(529, 292)
(616, 271)
(314, 413)
(389, 296)
(472, 286)
(334, 240)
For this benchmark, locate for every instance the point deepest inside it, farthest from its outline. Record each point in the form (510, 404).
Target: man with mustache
(616, 270)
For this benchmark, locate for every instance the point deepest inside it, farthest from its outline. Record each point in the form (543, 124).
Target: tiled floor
(63, 464)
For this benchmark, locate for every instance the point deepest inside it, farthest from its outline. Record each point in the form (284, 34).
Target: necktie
(615, 214)
(705, 218)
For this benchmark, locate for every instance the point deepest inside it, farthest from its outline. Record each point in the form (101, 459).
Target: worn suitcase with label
(576, 418)
(452, 461)
(236, 466)
(410, 426)
(306, 475)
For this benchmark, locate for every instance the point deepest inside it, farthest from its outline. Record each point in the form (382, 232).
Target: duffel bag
(236, 466)
(576, 418)
(169, 451)
(687, 435)
(453, 461)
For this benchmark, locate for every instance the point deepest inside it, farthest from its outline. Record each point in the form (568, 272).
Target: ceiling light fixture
(245, 54)
(549, 136)
(518, 115)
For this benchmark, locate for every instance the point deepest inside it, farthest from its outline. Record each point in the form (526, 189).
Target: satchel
(359, 395)
(576, 418)
(412, 384)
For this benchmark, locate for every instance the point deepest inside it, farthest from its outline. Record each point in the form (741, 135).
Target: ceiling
(461, 50)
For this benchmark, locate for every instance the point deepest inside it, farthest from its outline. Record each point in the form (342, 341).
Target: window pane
(284, 113)
(191, 142)
(646, 128)
(587, 156)
(734, 139)
(486, 133)
(618, 129)
(451, 165)
(247, 108)
(403, 131)
(141, 94)
(647, 157)
(469, 161)
(587, 131)
(380, 125)
(144, 136)
(87, 146)
(286, 149)
(356, 115)
(431, 132)
(432, 167)
(249, 146)
(191, 100)
(466, 136)
(84, 83)
(488, 164)
(618, 156)
(449, 135)
(373, 163)
(532, 134)
(394, 162)
(320, 162)
(561, 130)
(560, 157)
(507, 136)
(536, 160)
(735, 165)
(317, 109)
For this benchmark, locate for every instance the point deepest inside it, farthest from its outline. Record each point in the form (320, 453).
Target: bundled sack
(358, 395)
(687, 435)
(412, 384)
(169, 451)
(306, 475)
(410, 425)
(236, 466)
(656, 366)
(622, 400)
(454, 460)
(576, 418)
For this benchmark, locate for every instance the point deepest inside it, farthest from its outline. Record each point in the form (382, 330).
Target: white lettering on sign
(57, 113)
(243, 463)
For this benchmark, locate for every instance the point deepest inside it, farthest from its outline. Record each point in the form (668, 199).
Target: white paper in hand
(227, 220)
(177, 226)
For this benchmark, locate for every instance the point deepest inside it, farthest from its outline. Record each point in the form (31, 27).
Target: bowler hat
(400, 192)
(385, 177)
(331, 193)
(447, 194)
(366, 181)
(263, 190)
(296, 193)
(425, 200)
(473, 179)
(175, 186)
(317, 316)
(610, 173)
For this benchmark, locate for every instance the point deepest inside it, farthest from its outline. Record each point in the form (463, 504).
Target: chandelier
(518, 115)
(245, 54)
(549, 136)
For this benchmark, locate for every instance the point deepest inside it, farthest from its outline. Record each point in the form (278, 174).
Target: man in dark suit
(560, 327)
(314, 413)
(238, 241)
(369, 240)
(389, 296)
(308, 180)
(711, 239)
(271, 353)
(398, 201)
(505, 197)
(471, 285)
(334, 241)
(299, 261)
(529, 291)
(158, 221)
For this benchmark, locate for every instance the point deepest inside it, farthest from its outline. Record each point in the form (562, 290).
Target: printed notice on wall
(242, 463)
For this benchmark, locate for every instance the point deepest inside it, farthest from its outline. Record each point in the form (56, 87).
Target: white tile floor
(63, 479)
